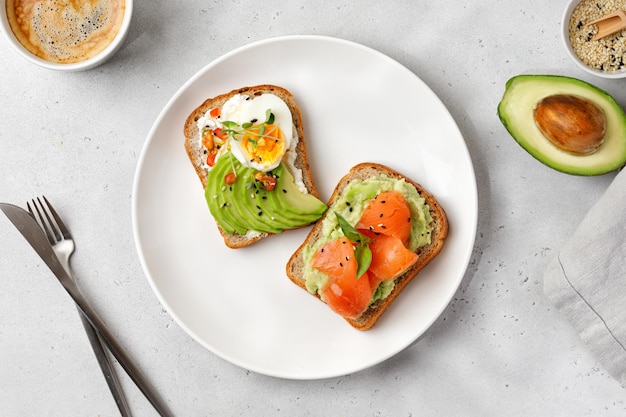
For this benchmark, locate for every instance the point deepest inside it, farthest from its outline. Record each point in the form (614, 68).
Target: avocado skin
(515, 111)
(246, 206)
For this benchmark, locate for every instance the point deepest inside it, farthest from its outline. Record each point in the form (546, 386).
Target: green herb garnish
(269, 117)
(236, 131)
(362, 252)
(363, 256)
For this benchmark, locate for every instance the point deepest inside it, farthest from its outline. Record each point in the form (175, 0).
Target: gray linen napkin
(587, 280)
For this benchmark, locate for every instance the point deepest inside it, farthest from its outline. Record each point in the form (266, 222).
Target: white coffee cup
(112, 45)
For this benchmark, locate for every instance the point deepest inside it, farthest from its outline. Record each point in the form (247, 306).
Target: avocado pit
(571, 123)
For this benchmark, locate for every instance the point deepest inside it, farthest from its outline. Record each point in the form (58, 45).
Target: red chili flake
(230, 178)
(268, 182)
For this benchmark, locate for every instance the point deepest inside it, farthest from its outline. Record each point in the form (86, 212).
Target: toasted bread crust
(196, 152)
(426, 253)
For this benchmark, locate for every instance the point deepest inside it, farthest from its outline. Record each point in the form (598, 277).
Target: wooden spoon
(609, 24)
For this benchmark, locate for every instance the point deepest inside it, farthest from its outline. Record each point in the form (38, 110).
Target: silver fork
(63, 246)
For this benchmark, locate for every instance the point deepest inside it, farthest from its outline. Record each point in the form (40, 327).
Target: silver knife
(29, 228)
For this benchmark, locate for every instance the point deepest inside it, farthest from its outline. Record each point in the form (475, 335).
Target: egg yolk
(263, 144)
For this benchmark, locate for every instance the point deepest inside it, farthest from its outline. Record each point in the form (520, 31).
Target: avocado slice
(245, 205)
(249, 206)
(516, 110)
(219, 198)
(290, 203)
(270, 211)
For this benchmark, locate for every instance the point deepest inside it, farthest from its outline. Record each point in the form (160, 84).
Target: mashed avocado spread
(351, 205)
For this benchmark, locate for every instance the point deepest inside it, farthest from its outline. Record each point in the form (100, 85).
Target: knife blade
(33, 234)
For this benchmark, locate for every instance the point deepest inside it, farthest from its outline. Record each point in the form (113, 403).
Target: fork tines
(54, 229)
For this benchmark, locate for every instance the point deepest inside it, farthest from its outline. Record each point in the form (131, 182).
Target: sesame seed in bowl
(605, 57)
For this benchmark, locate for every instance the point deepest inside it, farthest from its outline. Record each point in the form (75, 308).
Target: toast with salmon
(205, 125)
(326, 260)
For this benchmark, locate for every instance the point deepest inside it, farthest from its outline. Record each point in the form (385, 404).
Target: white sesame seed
(606, 54)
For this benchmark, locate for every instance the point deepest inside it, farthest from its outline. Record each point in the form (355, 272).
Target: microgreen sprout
(236, 131)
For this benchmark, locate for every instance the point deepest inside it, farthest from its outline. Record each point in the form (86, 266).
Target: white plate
(358, 105)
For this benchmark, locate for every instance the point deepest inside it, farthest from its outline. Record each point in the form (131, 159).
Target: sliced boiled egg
(263, 127)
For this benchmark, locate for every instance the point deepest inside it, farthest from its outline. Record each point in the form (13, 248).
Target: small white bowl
(570, 50)
(92, 62)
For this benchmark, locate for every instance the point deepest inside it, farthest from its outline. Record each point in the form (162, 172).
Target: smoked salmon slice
(344, 293)
(387, 222)
(390, 257)
(389, 214)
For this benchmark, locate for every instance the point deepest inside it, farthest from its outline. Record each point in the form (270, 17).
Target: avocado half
(524, 92)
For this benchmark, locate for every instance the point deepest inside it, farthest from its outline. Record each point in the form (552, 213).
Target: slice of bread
(426, 253)
(195, 150)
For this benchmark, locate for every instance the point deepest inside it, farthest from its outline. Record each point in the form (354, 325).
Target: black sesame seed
(284, 191)
(340, 264)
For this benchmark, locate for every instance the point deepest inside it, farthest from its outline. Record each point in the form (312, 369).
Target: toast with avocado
(248, 150)
(379, 231)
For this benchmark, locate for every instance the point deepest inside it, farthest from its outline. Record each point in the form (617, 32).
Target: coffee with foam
(65, 31)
